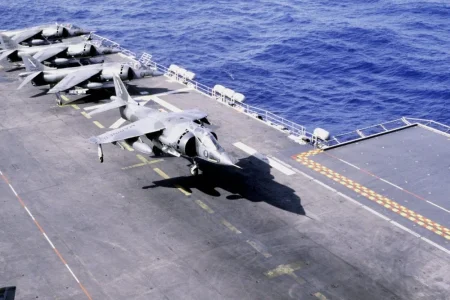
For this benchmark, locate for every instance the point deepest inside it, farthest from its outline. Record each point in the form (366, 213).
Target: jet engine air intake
(185, 144)
(123, 70)
(81, 50)
(54, 31)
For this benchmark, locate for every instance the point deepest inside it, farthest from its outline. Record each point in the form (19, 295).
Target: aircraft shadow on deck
(93, 96)
(42, 93)
(13, 69)
(253, 183)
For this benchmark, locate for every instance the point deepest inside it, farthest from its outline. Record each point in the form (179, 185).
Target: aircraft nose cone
(225, 159)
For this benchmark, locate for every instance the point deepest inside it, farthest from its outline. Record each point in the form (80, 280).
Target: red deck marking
(46, 237)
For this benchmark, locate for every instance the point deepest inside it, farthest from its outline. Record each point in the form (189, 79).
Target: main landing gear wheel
(194, 170)
(156, 151)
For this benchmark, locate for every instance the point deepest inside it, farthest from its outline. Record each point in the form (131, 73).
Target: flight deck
(363, 219)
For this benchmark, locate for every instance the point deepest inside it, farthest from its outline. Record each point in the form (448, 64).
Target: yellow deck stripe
(98, 124)
(204, 206)
(85, 115)
(320, 296)
(165, 176)
(126, 146)
(374, 196)
(230, 226)
(284, 269)
(65, 98)
(161, 173)
(183, 190)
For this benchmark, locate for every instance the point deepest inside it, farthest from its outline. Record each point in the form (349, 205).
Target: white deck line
(271, 162)
(438, 206)
(155, 98)
(94, 106)
(118, 123)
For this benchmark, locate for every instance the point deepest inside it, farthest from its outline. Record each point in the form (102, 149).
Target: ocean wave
(322, 63)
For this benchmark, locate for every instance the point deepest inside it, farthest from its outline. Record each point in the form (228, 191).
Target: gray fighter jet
(181, 134)
(44, 34)
(60, 54)
(96, 76)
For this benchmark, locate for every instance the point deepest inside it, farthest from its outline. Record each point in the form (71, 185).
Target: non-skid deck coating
(405, 175)
(138, 227)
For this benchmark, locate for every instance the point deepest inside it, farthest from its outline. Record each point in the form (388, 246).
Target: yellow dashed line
(204, 206)
(183, 190)
(230, 226)
(165, 176)
(144, 162)
(284, 269)
(75, 106)
(126, 146)
(134, 166)
(85, 115)
(161, 173)
(98, 124)
(259, 249)
(373, 196)
(65, 98)
(142, 158)
(320, 296)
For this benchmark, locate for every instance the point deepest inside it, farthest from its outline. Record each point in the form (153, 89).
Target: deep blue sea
(334, 64)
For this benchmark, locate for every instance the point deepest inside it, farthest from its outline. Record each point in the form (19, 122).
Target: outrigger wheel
(58, 98)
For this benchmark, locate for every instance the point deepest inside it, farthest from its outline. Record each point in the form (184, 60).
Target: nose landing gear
(194, 169)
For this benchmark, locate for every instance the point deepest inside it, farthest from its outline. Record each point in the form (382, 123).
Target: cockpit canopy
(207, 138)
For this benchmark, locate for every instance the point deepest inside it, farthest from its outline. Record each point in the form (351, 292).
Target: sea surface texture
(338, 65)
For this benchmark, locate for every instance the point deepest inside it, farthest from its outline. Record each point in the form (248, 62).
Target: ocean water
(333, 64)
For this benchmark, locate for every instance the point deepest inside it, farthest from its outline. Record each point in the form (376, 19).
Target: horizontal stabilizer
(8, 43)
(29, 78)
(7, 53)
(108, 106)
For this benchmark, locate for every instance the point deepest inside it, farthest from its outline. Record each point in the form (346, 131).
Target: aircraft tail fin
(32, 64)
(121, 91)
(8, 43)
(121, 99)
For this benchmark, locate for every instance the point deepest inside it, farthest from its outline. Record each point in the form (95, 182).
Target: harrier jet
(96, 76)
(181, 134)
(44, 34)
(60, 54)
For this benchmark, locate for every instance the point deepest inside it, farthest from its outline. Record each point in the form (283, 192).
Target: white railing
(102, 41)
(280, 123)
(430, 123)
(373, 130)
(270, 118)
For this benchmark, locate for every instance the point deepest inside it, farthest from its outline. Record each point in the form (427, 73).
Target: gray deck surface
(410, 166)
(128, 233)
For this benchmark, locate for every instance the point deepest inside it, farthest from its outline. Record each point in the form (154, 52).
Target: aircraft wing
(75, 78)
(48, 53)
(26, 34)
(191, 114)
(132, 130)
